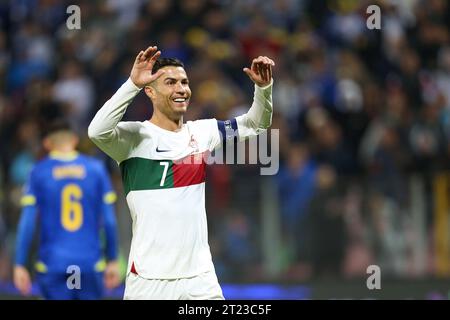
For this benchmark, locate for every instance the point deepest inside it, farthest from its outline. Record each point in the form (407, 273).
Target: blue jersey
(71, 199)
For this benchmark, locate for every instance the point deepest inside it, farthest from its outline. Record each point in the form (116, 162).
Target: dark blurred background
(364, 120)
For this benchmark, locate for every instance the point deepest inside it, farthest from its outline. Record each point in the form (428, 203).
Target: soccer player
(169, 256)
(69, 195)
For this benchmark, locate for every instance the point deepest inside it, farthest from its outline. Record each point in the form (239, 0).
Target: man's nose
(180, 88)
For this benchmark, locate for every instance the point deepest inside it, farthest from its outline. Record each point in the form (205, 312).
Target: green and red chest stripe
(148, 174)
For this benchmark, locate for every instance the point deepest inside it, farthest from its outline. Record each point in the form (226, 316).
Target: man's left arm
(111, 275)
(259, 116)
(109, 197)
(25, 233)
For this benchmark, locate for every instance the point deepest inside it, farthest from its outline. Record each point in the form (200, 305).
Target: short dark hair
(164, 62)
(57, 125)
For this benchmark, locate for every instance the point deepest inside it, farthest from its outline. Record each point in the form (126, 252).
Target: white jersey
(163, 174)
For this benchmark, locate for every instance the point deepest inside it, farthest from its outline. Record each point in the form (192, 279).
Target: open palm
(141, 74)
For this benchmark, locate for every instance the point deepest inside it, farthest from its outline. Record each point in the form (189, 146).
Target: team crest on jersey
(193, 143)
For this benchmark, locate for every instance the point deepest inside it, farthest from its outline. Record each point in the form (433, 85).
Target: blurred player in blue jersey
(69, 196)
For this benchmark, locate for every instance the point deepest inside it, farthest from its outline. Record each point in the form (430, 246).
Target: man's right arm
(105, 131)
(114, 138)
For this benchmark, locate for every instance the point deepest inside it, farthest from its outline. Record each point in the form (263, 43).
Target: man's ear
(150, 91)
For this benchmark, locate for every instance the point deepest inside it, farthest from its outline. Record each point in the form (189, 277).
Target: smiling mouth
(180, 100)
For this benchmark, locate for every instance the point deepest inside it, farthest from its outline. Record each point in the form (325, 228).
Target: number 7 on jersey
(166, 167)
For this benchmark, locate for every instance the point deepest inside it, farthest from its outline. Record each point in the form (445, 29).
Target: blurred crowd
(361, 114)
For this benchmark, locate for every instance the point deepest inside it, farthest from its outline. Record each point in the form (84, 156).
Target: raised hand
(141, 74)
(261, 71)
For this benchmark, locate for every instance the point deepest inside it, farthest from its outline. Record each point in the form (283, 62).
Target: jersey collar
(64, 156)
